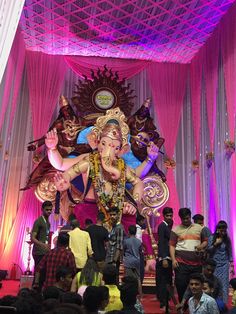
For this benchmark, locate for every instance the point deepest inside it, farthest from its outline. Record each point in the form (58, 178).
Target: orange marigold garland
(106, 201)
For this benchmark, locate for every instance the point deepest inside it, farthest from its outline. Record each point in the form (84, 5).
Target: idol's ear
(124, 149)
(92, 140)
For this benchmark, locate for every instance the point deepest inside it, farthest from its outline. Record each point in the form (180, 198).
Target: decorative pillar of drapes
(45, 75)
(228, 41)
(125, 67)
(45, 78)
(211, 61)
(13, 78)
(12, 84)
(196, 87)
(10, 12)
(168, 84)
(13, 248)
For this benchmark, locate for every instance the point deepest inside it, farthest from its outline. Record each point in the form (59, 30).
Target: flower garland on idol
(116, 197)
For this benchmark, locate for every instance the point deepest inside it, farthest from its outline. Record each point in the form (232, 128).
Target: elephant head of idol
(110, 137)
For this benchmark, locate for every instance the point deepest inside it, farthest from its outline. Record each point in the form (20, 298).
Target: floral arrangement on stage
(195, 164)
(209, 159)
(170, 163)
(229, 148)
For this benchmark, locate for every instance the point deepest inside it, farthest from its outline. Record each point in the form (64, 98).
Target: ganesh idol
(104, 174)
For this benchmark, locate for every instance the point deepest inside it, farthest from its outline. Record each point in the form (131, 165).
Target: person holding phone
(220, 249)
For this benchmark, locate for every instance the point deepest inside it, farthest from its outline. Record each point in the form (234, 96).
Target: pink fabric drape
(13, 249)
(126, 68)
(229, 61)
(168, 84)
(15, 64)
(211, 77)
(45, 75)
(196, 86)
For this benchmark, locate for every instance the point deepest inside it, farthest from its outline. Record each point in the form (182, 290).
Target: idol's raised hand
(152, 151)
(51, 140)
(62, 181)
(129, 209)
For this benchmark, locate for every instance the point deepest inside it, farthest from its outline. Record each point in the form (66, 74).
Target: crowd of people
(82, 273)
(200, 262)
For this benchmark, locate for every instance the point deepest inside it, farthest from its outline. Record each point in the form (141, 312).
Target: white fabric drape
(10, 12)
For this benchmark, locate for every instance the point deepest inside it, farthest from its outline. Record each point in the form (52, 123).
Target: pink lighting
(162, 31)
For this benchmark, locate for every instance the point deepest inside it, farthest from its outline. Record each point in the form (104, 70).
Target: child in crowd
(232, 283)
(208, 288)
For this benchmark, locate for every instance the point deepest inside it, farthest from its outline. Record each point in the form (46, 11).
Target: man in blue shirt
(200, 302)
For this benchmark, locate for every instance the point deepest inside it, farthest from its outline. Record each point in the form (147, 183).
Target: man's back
(132, 249)
(80, 245)
(115, 242)
(60, 256)
(99, 236)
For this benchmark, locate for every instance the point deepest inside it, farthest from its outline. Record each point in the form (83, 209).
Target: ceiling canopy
(163, 31)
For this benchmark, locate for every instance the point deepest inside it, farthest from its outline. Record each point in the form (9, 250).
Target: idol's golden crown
(113, 125)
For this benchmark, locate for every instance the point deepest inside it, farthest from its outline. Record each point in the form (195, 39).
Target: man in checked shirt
(115, 241)
(59, 256)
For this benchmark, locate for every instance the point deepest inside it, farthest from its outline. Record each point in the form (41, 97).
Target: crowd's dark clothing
(60, 256)
(130, 310)
(42, 229)
(163, 240)
(182, 273)
(66, 228)
(99, 237)
(132, 249)
(163, 275)
(163, 280)
(116, 237)
(115, 242)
